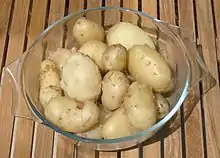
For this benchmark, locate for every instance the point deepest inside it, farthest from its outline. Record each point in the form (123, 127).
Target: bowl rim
(144, 133)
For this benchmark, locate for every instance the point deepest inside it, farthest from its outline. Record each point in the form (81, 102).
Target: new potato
(115, 58)
(49, 82)
(114, 88)
(128, 35)
(118, 125)
(81, 79)
(85, 30)
(148, 67)
(162, 105)
(140, 106)
(66, 114)
(94, 49)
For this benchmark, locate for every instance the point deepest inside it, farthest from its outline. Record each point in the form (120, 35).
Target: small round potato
(81, 79)
(115, 58)
(94, 49)
(114, 88)
(128, 35)
(66, 114)
(49, 82)
(140, 105)
(60, 56)
(85, 30)
(118, 125)
(147, 66)
(162, 105)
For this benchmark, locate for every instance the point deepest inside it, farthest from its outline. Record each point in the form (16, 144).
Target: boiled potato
(140, 105)
(118, 125)
(49, 82)
(115, 58)
(94, 49)
(162, 105)
(81, 79)
(66, 114)
(128, 35)
(60, 56)
(114, 88)
(85, 30)
(147, 66)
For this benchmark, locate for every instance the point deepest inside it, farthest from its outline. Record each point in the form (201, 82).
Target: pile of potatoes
(111, 86)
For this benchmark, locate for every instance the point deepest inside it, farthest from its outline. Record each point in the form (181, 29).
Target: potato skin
(65, 114)
(60, 56)
(94, 49)
(128, 35)
(140, 106)
(115, 58)
(49, 82)
(85, 30)
(81, 79)
(114, 88)
(118, 125)
(147, 66)
(162, 105)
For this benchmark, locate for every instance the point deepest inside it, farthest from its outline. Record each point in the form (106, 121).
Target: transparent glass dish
(174, 43)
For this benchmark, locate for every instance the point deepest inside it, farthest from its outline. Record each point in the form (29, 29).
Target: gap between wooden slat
(211, 99)
(193, 126)
(171, 149)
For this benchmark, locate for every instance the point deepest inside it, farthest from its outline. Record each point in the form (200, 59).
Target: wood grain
(172, 144)
(150, 7)
(23, 139)
(94, 15)
(211, 99)
(15, 49)
(216, 5)
(111, 16)
(193, 126)
(5, 11)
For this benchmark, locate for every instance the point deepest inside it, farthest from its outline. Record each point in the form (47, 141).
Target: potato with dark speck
(85, 30)
(115, 58)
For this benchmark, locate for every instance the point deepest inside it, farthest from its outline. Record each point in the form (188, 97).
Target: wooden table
(22, 20)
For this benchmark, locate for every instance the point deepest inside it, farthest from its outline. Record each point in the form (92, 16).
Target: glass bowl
(174, 43)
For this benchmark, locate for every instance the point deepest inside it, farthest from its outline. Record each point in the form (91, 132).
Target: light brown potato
(49, 82)
(114, 88)
(81, 79)
(147, 66)
(85, 30)
(94, 49)
(104, 114)
(162, 105)
(118, 125)
(140, 105)
(60, 56)
(128, 35)
(115, 58)
(66, 114)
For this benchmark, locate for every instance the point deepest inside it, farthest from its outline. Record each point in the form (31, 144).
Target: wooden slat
(172, 144)
(216, 5)
(23, 138)
(211, 99)
(15, 48)
(94, 15)
(150, 7)
(5, 11)
(193, 126)
(65, 145)
(133, 4)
